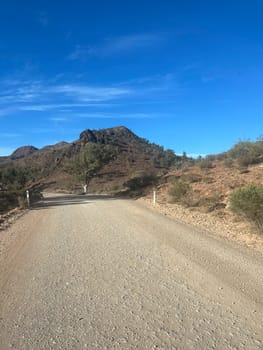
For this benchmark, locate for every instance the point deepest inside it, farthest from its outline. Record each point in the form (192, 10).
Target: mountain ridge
(111, 156)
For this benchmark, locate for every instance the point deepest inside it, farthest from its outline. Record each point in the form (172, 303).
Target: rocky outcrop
(108, 136)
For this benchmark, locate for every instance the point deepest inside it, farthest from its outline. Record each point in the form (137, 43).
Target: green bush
(140, 181)
(247, 153)
(248, 203)
(17, 199)
(179, 191)
(13, 177)
(206, 164)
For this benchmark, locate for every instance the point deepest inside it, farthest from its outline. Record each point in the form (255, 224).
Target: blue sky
(184, 74)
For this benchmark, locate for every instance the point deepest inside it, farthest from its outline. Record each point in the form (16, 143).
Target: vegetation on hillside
(139, 181)
(13, 182)
(91, 158)
(247, 153)
(248, 203)
(242, 154)
(179, 191)
(201, 187)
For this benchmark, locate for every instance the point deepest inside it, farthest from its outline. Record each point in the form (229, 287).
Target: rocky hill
(23, 152)
(106, 159)
(117, 161)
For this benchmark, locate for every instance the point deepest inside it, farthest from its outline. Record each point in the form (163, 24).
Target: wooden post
(154, 197)
(28, 199)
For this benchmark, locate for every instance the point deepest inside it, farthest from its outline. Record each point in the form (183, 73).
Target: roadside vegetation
(140, 182)
(13, 185)
(242, 154)
(230, 182)
(247, 202)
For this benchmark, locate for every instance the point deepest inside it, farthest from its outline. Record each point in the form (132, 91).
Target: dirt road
(97, 273)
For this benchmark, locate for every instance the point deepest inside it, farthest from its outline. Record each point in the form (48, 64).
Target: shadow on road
(68, 199)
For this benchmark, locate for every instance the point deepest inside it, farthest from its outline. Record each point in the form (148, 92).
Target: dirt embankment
(10, 217)
(224, 227)
(208, 207)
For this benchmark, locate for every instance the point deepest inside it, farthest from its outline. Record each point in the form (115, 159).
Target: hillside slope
(106, 159)
(206, 204)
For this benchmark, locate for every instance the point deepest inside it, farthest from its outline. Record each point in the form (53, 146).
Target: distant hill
(117, 161)
(107, 159)
(23, 152)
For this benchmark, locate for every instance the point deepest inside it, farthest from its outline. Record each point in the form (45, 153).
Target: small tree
(91, 158)
(248, 202)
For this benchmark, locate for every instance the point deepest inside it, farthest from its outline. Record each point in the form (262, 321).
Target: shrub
(247, 153)
(191, 177)
(140, 180)
(179, 191)
(206, 164)
(17, 199)
(245, 160)
(248, 203)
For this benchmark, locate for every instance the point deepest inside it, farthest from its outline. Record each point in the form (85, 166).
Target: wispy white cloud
(62, 106)
(55, 97)
(40, 96)
(89, 115)
(116, 45)
(20, 91)
(86, 93)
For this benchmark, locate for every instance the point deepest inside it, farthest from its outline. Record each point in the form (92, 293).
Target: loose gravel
(98, 273)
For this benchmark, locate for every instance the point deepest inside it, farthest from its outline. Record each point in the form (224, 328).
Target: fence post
(28, 199)
(154, 197)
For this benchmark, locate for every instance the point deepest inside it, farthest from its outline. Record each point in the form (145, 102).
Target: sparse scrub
(229, 162)
(248, 203)
(17, 199)
(211, 203)
(179, 191)
(191, 177)
(247, 153)
(140, 180)
(205, 164)
(208, 180)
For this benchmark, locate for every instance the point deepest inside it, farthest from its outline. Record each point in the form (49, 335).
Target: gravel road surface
(87, 272)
